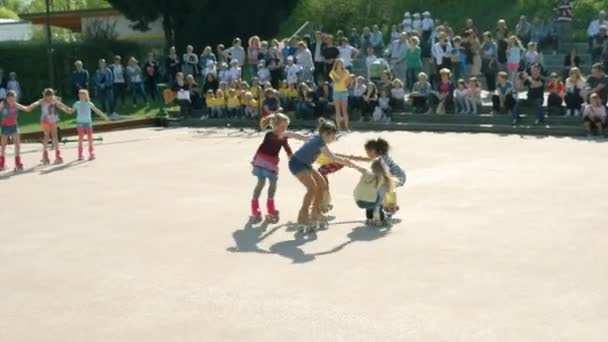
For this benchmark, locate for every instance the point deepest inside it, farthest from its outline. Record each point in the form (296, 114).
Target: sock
(2, 161)
(270, 205)
(17, 160)
(255, 206)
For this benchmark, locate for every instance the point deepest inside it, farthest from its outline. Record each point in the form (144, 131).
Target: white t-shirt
(427, 24)
(119, 73)
(234, 74)
(360, 90)
(292, 73)
(417, 24)
(263, 76)
(346, 53)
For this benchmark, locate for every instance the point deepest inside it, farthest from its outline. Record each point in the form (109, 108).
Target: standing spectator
(413, 58)
(523, 30)
(407, 22)
(347, 52)
(330, 54)
(502, 45)
(182, 89)
(594, 116)
(104, 83)
(220, 54)
(502, 28)
(442, 51)
(304, 59)
(136, 81)
(190, 66)
(532, 57)
(151, 75)
(236, 52)
(354, 38)
(211, 68)
(535, 84)
(597, 82)
(341, 79)
(469, 25)
(563, 11)
(120, 80)
(253, 53)
(206, 57)
(571, 60)
(317, 50)
(172, 64)
(594, 28)
(575, 86)
(80, 78)
(599, 42)
(3, 85)
(503, 100)
(514, 58)
(366, 39)
(556, 95)
(489, 64)
(417, 24)
(400, 60)
(377, 40)
(13, 85)
(459, 59)
(474, 53)
(427, 29)
(292, 71)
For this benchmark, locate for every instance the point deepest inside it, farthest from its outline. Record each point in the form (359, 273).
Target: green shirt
(413, 58)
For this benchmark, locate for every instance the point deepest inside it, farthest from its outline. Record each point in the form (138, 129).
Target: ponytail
(271, 120)
(326, 126)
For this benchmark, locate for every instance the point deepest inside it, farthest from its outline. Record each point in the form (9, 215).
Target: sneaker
(577, 112)
(568, 112)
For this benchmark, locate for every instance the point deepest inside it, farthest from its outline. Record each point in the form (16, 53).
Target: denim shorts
(83, 125)
(340, 95)
(9, 130)
(263, 173)
(297, 166)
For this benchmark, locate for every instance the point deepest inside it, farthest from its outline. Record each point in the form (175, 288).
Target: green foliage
(63, 5)
(6, 13)
(346, 14)
(29, 61)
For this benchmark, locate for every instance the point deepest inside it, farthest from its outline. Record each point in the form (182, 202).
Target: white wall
(18, 30)
(123, 27)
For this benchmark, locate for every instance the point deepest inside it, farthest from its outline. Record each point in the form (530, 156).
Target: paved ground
(500, 239)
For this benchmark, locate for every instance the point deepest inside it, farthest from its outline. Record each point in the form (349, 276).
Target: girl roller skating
(327, 167)
(300, 166)
(9, 110)
(369, 193)
(84, 121)
(265, 165)
(48, 120)
(379, 149)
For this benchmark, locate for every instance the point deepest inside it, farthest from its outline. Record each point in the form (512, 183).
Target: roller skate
(326, 205)
(320, 221)
(256, 214)
(304, 224)
(80, 154)
(2, 163)
(91, 156)
(18, 164)
(273, 213)
(58, 158)
(45, 158)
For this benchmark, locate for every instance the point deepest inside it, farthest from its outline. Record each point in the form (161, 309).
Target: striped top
(395, 170)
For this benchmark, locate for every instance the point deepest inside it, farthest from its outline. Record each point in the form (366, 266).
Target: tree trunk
(169, 29)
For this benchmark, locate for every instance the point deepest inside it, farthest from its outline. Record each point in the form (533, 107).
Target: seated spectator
(234, 73)
(571, 60)
(292, 97)
(594, 116)
(597, 82)
(222, 74)
(305, 104)
(210, 68)
(474, 95)
(323, 99)
(271, 103)
(413, 62)
(386, 81)
(214, 104)
(283, 94)
(460, 98)
(421, 93)
(535, 86)
(575, 97)
(356, 99)
(233, 105)
(397, 95)
(250, 106)
(182, 90)
(503, 99)
(384, 103)
(444, 92)
(556, 95)
(370, 100)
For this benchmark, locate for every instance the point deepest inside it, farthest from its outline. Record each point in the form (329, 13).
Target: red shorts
(330, 168)
(49, 125)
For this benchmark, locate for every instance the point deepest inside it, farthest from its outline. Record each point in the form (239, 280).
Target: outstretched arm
(22, 107)
(352, 157)
(296, 136)
(100, 113)
(335, 158)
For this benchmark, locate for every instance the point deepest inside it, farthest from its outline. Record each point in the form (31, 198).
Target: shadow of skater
(247, 238)
(359, 234)
(11, 174)
(62, 167)
(291, 249)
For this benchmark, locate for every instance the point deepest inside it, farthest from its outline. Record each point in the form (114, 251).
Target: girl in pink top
(48, 120)
(9, 110)
(594, 115)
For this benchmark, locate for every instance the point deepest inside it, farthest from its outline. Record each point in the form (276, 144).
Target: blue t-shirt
(503, 89)
(309, 152)
(83, 111)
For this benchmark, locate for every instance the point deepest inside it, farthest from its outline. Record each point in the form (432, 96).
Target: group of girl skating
(49, 104)
(375, 191)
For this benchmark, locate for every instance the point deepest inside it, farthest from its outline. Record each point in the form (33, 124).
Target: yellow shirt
(292, 93)
(284, 92)
(323, 160)
(255, 92)
(251, 103)
(368, 188)
(233, 102)
(340, 84)
(212, 102)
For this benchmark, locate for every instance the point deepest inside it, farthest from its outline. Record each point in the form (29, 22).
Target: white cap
(406, 15)
(416, 15)
(426, 13)
(290, 58)
(234, 61)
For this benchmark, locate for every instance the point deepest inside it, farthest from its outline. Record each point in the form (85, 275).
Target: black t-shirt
(503, 45)
(330, 52)
(535, 93)
(594, 82)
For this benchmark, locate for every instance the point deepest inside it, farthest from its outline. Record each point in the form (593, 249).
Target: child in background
(233, 104)
(292, 97)
(213, 108)
(13, 84)
(222, 74)
(220, 103)
(459, 59)
(48, 120)
(460, 97)
(360, 88)
(379, 149)
(265, 164)
(255, 89)
(234, 73)
(9, 110)
(384, 102)
(514, 57)
(300, 166)
(250, 106)
(594, 115)
(397, 96)
(84, 121)
(369, 192)
(292, 71)
(556, 95)
(263, 73)
(474, 95)
(503, 100)
(283, 90)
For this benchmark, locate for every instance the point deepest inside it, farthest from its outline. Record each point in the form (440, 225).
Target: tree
(57, 5)
(199, 22)
(6, 13)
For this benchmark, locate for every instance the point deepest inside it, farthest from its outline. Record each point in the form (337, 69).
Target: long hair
(326, 126)
(272, 120)
(338, 61)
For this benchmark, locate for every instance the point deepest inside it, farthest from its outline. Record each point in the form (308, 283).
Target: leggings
(272, 188)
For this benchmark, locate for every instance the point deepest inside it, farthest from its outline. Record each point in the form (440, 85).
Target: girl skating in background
(265, 165)
(9, 109)
(300, 166)
(369, 194)
(48, 120)
(84, 121)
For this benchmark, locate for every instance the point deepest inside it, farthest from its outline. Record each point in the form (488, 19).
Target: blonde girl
(9, 111)
(48, 120)
(265, 164)
(514, 57)
(369, 192)
(341, 80)
(84, 121)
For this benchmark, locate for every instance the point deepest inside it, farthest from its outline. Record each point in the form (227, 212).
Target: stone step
(484, 119)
